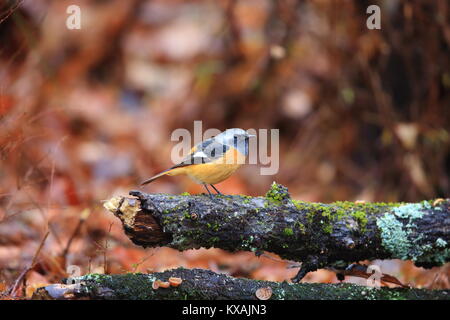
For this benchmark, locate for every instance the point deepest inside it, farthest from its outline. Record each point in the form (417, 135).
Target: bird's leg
(210, 194)
(218, 192)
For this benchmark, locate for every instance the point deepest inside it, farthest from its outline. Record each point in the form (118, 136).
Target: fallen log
(206, 285)
(318, 235)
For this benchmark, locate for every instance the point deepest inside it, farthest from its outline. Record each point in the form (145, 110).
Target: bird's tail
(156, 177)
(171, 172)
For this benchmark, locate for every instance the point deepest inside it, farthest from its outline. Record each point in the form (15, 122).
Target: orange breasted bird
(213, 160)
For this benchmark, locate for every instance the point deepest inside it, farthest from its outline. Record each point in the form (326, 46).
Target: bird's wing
(205, 152)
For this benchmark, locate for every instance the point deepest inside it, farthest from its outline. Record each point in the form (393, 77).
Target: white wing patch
(200, 154)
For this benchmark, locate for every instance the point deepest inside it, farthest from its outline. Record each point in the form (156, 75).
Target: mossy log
(318, 235)
(199, 284)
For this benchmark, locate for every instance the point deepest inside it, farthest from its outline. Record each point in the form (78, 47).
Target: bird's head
(237, 138)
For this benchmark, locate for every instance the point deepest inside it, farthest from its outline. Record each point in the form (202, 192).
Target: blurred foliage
(87, 114)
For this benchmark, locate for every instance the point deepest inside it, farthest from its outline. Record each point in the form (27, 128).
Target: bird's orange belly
(211, 173)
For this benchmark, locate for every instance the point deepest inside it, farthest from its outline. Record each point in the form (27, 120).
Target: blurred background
(87, 114)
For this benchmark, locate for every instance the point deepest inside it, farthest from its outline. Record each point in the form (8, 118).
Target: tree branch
(319, 235)
(207, 285)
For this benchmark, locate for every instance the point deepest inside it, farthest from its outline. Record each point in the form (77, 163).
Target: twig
(33, 263)
(84, 215)
(11, 10)
(105, 262)
(136, 265)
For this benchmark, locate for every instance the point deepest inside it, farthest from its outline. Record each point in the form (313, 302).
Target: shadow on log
(207, 285)
(318, 235)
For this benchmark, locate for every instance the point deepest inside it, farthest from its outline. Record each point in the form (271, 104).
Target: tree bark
(207, 285)
(319, 235)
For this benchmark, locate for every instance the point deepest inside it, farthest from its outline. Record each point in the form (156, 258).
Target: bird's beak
(251, 135)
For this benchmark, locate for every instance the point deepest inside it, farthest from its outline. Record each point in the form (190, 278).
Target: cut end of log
(141, 227)
(124, 208)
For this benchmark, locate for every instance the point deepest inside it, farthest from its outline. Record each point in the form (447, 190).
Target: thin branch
(22, 276)
(11, 10)
(84, 215)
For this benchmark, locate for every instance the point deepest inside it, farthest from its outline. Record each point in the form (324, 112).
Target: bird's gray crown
(236, 138)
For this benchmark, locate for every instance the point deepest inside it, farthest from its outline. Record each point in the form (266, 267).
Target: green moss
(361, 218)
(288, 232)
(339, 210)
(299, 204)
(213, 226)
(139, 286)
(300, 226)
(185, 194)
(328, 228)
(277, 194)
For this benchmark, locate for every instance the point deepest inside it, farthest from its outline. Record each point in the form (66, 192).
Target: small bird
(213, 160)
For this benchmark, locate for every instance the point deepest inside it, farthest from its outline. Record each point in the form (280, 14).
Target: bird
(213, 160)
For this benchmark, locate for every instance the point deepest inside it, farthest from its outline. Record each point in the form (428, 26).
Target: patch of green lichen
(185, 194)
(441, 243)
(399, 235)
(248, 243)
(288, 232)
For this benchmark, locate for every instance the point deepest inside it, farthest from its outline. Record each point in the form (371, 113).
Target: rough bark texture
(318, 235)
(207, 285)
